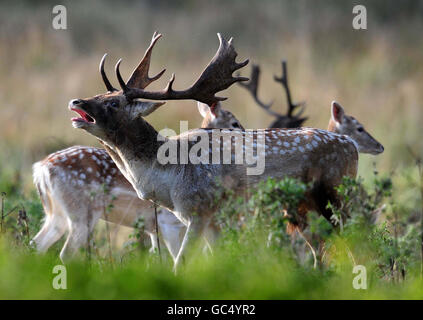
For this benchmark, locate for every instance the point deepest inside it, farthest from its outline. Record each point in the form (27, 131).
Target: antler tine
(169, 88)
(106, 81)
(216, 77)
(252, 87)
(119, 77)
(139, 77)
(284, 81)
(301, 104)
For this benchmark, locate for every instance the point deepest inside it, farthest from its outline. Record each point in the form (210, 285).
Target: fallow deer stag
(189, 188)
(293, 118)
(77, 185)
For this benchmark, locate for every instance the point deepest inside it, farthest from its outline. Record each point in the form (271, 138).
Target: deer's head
(348, 125)
(215, 116)
(103, 115)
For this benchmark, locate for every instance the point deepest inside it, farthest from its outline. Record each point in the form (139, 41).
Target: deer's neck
(134, 149)
(207, 121)
(136, 139)
(134, 142)
(332, 126)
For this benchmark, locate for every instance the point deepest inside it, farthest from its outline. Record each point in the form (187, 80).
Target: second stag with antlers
(205, 166)
(292, 118)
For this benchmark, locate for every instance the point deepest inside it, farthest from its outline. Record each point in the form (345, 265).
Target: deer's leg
(210, 235)
(153, 239)
(183, 245)
(77, 237)
(322, 194)
(80, 229)
(171, 232)
(52, 230)
(171, 235)
(37, 241)
(193, 230)
(308, 244)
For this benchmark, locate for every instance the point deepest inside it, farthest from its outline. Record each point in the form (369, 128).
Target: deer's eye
(360, 129)
(114, 104)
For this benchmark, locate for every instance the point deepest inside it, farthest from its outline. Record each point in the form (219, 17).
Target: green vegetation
(254, 258)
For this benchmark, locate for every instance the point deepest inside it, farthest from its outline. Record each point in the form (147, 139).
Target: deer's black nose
(75, 102)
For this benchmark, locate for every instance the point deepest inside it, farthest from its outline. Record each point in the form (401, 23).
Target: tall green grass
(254, 258)
(231, 273)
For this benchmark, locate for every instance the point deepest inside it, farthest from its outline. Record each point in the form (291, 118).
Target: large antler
(282, 121)
(139, 77)
(216, 77)
(252, 87)
(284, 81)
(106, 81)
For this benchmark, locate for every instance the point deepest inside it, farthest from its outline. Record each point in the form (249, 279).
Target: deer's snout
(75, 102)
(378, 149)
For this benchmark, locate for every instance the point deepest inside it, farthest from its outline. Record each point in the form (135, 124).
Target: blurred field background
(376, 74)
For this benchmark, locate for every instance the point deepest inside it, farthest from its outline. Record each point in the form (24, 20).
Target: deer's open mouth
(84, 117)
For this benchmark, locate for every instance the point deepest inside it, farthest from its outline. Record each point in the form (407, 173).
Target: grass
(244, 264)
(260, 276)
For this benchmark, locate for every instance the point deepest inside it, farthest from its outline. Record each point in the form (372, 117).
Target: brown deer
(77, 185)
(293, 118)
(348, 125)
(80, 185)
(343, 124)
(190, 188)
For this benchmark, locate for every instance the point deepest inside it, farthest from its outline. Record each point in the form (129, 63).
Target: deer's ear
(203, 108)
(337, 112)
(215, 109)
(142, 108)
